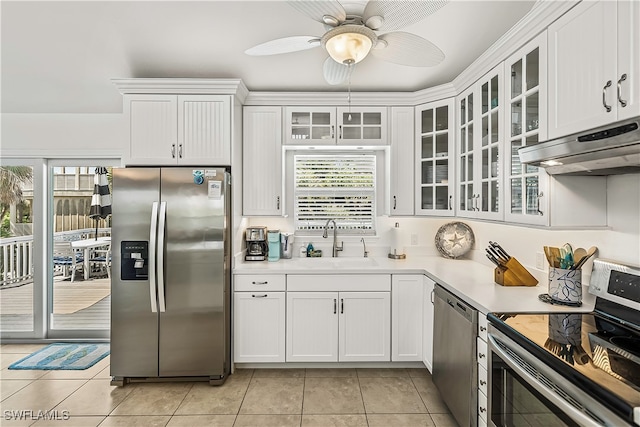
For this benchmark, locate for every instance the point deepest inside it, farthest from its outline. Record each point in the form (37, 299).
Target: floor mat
(64, 356)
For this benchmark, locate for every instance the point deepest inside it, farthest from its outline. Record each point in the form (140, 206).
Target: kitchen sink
(344, 262)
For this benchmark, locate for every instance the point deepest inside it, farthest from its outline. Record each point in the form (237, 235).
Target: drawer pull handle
(259, 296)
(481, 355)
(482, 329)
(483, 382)
(483, 409)
(335, 306)
(260, 283)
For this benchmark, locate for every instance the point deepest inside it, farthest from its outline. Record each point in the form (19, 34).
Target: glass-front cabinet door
(467, 202)
(527, 194)
(310, 125)
(362, 125)
(435, 155)
(480, 138)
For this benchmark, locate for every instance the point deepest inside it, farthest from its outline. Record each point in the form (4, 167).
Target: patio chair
(66, 257)
(102, 257)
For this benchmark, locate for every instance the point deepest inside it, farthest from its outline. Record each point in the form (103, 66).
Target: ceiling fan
(352, 33)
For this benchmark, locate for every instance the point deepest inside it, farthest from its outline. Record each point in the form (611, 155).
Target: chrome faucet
(335, 248)
(364, 248)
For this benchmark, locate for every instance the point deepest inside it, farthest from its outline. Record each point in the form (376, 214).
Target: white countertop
(469, 280)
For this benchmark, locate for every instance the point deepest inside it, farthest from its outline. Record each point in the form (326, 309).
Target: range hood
(607, 150)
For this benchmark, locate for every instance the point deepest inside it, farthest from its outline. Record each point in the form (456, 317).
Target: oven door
(525, 391)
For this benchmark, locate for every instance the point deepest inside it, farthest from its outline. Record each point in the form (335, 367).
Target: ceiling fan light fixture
(349, 44)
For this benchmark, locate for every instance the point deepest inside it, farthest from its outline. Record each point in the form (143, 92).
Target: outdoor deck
(81, 304)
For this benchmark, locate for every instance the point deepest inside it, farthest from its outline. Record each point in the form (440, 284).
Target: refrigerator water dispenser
(135, 260)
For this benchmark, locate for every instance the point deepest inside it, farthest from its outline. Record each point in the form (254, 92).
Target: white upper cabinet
(262, 161)
(480, 138)
(594, 68)
(178, 129)
(330, 126)
(435, 158)
(527, 193)
(401, 141)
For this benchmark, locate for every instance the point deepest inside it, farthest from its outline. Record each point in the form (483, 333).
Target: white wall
(620, 241)
(63, 135)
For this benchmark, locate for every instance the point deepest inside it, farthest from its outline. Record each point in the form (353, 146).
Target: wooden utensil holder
(514, 275)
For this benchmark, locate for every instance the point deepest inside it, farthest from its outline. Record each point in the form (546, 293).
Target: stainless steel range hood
(606, 150)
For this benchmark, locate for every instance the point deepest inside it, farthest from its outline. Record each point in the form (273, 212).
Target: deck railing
(16, 253)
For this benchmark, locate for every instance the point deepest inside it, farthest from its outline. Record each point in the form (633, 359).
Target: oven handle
(563, 405)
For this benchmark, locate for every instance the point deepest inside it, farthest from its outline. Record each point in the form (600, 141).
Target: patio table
(87, 245)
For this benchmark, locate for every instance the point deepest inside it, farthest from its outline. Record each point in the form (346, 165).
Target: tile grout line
(364, 406)
(235, 420)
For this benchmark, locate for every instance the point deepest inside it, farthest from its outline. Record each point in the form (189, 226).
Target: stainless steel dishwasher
(454, 355)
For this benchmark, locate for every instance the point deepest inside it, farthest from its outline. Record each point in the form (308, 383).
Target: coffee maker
(256, 238)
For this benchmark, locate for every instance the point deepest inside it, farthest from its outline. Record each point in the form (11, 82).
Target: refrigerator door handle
(161, 228)
(152, 257)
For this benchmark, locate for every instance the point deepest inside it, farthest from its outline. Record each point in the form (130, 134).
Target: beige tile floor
(260, 397)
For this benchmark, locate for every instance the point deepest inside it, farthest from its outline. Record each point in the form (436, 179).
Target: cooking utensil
(555, 252)
(592, 250)
(566, 256)
(496, 262)
(548, 254)
(578, 254)
(496, 255)
(500, 250)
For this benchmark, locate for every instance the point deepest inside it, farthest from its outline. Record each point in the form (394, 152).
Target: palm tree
(12, 178)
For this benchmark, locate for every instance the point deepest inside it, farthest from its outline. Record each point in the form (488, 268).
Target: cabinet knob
(604, 96)
(620, 100)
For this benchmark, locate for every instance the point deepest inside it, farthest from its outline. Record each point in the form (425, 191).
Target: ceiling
(60, 57)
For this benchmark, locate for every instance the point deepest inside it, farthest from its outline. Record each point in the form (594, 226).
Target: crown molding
(357, 98)
(234, 87)
(543, 13)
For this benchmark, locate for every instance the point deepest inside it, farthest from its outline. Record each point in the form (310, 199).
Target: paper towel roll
(397, 242)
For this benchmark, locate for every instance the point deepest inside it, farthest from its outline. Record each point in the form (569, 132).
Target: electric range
(571, 368)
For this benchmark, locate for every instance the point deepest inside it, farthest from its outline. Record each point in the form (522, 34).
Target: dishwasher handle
(456, 304)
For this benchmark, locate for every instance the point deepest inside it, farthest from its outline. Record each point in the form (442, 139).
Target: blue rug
(64, 356)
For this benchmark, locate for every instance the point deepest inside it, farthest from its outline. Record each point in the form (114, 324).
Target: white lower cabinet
(406, 317)
(338, 326)
(427, 322)
(259, 326)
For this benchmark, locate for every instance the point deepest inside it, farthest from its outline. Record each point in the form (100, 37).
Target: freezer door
(134, 326)
(194, 325)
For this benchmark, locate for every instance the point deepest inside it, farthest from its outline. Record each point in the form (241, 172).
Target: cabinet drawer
(339, 283)
(481, 353)
(482, 326)
(482, 407)
(259, 282)
(482, 379)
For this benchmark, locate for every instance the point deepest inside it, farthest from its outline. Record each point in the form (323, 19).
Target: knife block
(514, 275)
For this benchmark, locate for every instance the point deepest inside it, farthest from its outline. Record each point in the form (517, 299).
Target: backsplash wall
(620, 241)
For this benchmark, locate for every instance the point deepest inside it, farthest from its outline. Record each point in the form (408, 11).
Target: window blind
(338, 187)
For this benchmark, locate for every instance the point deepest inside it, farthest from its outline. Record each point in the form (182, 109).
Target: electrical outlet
(539, 260)
(414, 239)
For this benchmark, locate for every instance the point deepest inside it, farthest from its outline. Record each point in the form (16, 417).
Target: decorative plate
(454, 239)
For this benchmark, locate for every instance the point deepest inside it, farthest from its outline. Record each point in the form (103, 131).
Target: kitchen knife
(495, 261)
(500, 250)
(496, 253)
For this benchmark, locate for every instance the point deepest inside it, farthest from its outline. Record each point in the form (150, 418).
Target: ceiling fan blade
(408, 49)
(397, 14)
(284, 45)
(316, 10)
(335, 73)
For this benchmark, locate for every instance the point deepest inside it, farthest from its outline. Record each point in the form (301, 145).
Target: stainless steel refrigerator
(170, 290)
